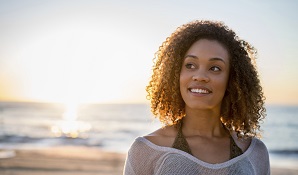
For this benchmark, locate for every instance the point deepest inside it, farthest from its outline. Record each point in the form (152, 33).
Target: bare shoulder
(242, 143)
(163, 136)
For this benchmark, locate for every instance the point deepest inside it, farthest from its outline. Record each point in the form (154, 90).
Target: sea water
(114, 127)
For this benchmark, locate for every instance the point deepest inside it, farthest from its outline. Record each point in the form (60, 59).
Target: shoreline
(75, 160)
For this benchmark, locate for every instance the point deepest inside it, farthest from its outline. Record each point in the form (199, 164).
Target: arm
(128, 169)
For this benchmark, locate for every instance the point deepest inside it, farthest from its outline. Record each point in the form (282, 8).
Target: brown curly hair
(243, 104)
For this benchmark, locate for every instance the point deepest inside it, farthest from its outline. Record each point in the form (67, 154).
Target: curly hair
(242, 107)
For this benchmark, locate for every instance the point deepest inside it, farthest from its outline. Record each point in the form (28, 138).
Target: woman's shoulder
(260, 146)
(145, 151)
(259, 155)
(162, 137)
(242, 143)
(251, 145)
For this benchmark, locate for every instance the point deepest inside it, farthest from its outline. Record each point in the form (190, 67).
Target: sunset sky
(101, 51)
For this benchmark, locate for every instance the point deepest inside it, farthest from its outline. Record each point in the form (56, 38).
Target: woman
(205, 90)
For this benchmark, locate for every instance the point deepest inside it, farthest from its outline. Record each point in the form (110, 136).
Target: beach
(75, 161)
(62, 161)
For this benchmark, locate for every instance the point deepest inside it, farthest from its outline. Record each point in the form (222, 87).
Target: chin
(202, 106)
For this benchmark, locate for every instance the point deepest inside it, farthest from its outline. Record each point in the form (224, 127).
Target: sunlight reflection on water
(69, 126)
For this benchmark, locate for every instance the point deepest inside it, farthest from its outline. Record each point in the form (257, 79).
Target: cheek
(182, 79)
(222, 83)
(183, 82)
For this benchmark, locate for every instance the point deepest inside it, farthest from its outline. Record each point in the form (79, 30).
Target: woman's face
(204, 75)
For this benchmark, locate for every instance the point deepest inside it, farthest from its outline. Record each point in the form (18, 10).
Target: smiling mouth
(200, 91)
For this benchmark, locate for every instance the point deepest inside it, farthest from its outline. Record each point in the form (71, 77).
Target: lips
(200, 90)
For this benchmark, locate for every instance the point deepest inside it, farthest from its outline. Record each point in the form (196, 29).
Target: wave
(48, 141)
(285, 152)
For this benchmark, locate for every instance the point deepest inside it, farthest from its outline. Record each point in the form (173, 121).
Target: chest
(176, 164)
(210, 151)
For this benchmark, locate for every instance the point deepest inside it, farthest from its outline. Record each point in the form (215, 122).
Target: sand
(70, 160)
(63, 161)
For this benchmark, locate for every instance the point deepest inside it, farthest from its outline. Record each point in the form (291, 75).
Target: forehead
(205, 48)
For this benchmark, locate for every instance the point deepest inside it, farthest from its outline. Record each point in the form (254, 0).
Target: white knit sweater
(146, 158)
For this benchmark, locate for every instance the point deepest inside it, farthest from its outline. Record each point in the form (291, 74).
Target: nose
(200, 76)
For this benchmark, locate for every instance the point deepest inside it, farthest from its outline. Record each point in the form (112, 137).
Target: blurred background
(73, 72)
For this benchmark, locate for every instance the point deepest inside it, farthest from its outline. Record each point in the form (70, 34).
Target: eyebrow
(211, 59)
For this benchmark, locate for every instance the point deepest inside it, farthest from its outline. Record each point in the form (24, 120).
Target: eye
(190, 66)
(215, 69)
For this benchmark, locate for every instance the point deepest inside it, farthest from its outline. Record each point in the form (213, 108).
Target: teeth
(200, 91)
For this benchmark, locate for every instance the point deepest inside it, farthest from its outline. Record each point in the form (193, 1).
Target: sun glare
(69, 126)
(75, 62)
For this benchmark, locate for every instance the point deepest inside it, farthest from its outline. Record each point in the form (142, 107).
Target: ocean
(113, 127)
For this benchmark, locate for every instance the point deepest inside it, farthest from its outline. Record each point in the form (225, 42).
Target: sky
(101, 51)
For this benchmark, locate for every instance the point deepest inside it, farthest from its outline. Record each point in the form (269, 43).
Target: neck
(204, 123)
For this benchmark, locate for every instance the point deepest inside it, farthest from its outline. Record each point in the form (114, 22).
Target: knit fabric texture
(146, 158)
